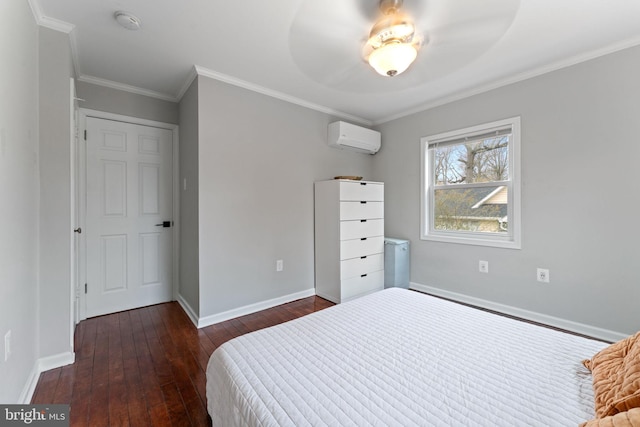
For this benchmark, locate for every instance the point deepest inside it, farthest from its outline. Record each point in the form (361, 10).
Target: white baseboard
(41, 365)
(252, 308)
(191, 313)
(580, 328)
(30, 386)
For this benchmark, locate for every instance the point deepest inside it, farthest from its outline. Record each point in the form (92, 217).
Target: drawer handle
(363, 203)
(363, 238)
(363, 275)
(363, 183)
(363, 257)
(363, 220)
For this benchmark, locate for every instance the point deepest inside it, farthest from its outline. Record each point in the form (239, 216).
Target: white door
(128, 216)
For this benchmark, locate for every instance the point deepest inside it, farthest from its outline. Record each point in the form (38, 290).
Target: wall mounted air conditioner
(351, 137)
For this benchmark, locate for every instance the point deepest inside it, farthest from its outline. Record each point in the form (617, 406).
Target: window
(471, 185)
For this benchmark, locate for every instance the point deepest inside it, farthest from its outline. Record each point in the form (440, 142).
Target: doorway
(129, 212)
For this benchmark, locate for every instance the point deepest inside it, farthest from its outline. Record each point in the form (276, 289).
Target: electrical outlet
(279, 265)
(543, 275)
(483, 266)
(7, 345)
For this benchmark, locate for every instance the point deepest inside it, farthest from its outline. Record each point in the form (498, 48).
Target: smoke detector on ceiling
(127, 20)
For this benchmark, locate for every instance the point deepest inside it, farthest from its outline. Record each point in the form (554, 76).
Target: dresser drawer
(361, 285)
(358, 191)
(358, 266)
(361, 228)
(361, 210)
(361, 247)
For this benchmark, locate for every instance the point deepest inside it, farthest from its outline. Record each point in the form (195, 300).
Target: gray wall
(19, 195)
(580, 193)
(116, 101)
(258, 160)
(55, 193)
(189, 266)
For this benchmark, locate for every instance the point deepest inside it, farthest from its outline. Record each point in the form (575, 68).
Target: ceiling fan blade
(326, 39)
(456, 35)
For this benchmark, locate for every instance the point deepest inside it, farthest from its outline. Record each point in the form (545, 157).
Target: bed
(399, 357)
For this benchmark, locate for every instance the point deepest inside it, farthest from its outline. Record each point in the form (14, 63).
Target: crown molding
(565, 63)
(127, 88)
(45, 21)
(201, 71)
(57, 25)
(193, 73)
(69, 29)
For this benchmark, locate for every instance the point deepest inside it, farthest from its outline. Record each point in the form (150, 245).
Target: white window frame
(427, 231)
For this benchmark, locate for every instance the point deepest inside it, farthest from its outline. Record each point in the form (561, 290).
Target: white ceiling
(309, 51)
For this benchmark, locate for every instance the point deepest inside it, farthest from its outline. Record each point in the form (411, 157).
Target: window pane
(485, 160)
(470, 193)
(480, 209)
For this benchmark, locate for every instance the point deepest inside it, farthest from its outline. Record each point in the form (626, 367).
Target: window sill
(475, 241)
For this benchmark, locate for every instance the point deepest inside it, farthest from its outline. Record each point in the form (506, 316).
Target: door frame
(81, 191)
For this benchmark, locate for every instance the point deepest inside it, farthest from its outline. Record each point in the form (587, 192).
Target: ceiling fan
(336, 42)
(393, 43)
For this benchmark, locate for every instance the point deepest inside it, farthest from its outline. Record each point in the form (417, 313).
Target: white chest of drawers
(349, 238)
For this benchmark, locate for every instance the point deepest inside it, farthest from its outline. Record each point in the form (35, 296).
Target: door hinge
(85, 134)
(85, 288)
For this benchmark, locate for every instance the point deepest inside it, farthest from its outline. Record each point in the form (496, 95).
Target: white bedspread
(401, 358)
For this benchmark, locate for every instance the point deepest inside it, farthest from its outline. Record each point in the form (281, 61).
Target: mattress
(401, 358)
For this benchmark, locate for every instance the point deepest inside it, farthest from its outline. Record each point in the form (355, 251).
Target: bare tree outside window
(480, 161)
(473, 162)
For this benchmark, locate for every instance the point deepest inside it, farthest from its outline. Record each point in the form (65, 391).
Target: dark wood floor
(147, 366)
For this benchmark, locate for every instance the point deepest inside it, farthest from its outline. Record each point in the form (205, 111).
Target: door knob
(165, 224)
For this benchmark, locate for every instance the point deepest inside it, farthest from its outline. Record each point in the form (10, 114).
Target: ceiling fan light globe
(393, 58)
